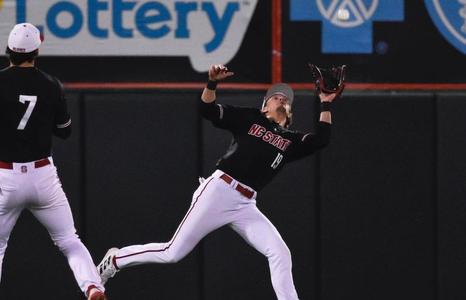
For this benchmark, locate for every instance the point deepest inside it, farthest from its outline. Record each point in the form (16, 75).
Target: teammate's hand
(327, 97)
(219, 72)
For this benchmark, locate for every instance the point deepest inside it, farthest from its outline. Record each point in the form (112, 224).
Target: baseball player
(262, 144)
(32, 109)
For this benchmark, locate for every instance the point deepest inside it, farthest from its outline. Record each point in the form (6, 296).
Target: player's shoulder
(241, 109)
(288, 131)
(49, 78)
(4, 73)
(251, 110)
(292, 134)
(246, 110)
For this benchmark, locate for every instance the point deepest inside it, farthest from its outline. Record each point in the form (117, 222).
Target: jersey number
(32, 103)
(277, 161)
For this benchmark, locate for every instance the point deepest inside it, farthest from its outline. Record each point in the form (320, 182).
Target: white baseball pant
(40, 191)
(215, 204)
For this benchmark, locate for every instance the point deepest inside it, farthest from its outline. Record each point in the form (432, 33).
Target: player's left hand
(329, 81)
(327, 97)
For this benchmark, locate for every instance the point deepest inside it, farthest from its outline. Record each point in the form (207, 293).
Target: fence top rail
(258, 86)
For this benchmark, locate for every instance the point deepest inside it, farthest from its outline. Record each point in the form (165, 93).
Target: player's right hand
(219, 72)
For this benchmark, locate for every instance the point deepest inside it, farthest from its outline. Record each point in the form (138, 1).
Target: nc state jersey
(32, 109)
(260, 147)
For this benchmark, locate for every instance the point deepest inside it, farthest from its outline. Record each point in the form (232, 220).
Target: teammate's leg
(53, 211)
(10, 210)
(8, 218)
(261, 234)
(206, 213)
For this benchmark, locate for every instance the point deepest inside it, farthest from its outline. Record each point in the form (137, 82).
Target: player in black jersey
(32, 110)
(262, 145)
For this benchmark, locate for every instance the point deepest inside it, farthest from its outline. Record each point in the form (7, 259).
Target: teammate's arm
(62, 126)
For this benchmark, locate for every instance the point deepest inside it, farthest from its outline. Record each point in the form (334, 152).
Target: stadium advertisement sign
(205, 31)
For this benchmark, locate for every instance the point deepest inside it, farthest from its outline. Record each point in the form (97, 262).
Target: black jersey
(260, 147)
(32, 109)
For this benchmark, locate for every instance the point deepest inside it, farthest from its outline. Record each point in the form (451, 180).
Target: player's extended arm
(311, 142)
(326, 99)
(329, 84)
(216, 73)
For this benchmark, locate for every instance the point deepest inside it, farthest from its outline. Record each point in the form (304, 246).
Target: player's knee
(285, 253)
(173, 260)
(66, 242)
(3, 244)
(174, 256)
(282, 253)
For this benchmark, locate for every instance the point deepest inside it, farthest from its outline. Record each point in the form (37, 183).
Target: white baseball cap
(24, 38)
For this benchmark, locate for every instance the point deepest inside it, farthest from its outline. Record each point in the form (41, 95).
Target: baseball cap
(24, 38)
(280, 89)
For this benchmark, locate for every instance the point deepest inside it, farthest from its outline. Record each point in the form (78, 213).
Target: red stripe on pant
(176, 233)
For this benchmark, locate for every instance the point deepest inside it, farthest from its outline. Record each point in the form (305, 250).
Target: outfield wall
(379, 214)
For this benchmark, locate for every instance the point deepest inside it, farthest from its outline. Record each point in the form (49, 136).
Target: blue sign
(347, 24)
(450, 18)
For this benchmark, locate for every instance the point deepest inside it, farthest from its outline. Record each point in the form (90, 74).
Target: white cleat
(107, 268)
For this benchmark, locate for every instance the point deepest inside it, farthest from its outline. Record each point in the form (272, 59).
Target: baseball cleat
(95, 294)
(107, 268)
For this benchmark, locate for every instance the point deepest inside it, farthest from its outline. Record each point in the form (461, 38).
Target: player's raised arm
(325, 102)
(329, 84)
(216, 73)
(311, 142)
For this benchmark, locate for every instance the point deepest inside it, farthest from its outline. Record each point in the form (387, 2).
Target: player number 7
(32, 103)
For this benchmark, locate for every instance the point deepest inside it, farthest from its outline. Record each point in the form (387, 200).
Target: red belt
(37, 164)
(244, 191)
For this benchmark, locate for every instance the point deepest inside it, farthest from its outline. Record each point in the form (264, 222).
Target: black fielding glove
(329, 81)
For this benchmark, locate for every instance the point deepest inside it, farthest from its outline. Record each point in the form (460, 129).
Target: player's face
(278, 103)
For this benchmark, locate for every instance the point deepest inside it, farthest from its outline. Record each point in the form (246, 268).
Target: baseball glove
(329, 81)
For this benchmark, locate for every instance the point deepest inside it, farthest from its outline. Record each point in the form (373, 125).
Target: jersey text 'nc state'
(269, 137)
